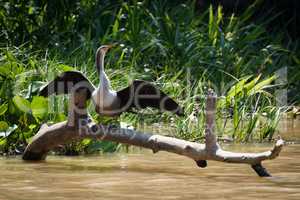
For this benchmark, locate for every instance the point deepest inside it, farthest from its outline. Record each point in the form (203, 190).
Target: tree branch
(49, 137)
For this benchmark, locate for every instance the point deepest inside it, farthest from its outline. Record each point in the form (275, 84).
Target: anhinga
(108, 102)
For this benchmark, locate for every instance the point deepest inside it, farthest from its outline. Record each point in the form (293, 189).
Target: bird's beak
(110, 46)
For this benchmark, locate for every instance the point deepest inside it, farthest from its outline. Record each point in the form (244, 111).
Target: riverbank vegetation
(183, 50)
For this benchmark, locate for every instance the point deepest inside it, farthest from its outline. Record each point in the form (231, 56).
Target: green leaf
(32, 126)
(3, 126)
(34, 87)
(261, 85)
(65, 68)
(115, 28)
(3, 142)
(220, 15)
(252, 83)
(235, 90)
(86, 142)
(235, 116)
(11, 107)
(10, 56)
(210, 23)
(3, 108)
(4, 70)
(8, 131)
(22, 104)
(39, 107)
(60, 117)
(221, 102)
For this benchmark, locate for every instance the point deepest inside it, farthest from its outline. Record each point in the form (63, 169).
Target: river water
(143, 175)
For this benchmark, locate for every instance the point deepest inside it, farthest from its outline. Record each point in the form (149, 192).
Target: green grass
(183, 51)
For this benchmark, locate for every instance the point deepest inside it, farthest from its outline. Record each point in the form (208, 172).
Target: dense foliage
(183, 50)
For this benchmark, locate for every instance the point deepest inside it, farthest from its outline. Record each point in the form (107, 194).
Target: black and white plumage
(140, 94)
(65, 83)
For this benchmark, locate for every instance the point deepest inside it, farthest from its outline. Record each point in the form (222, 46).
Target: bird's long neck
(104, 81)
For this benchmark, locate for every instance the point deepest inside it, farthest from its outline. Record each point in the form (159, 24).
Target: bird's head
(105, 48)
(100, 53)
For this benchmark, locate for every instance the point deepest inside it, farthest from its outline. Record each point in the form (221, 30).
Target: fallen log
(80, 125)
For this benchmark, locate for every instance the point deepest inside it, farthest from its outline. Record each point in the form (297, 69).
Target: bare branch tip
(280, 143)
(43, 126)
(211, 92)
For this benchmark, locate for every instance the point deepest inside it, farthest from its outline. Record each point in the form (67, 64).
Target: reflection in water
(147, 176)
(290, 129)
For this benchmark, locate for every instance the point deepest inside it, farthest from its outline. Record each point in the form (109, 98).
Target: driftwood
(80, 125)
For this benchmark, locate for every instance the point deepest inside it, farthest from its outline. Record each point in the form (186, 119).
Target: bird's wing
(142, 94)
(67, 82)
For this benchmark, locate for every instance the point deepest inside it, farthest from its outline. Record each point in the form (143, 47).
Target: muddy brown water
(143, 175)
